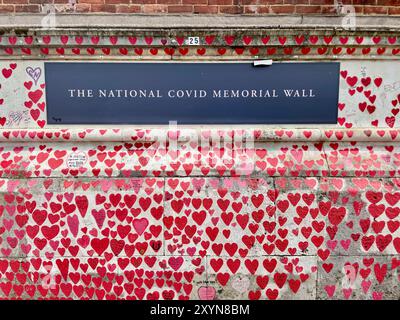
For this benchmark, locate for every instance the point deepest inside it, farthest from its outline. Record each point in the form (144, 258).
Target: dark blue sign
(191, 93)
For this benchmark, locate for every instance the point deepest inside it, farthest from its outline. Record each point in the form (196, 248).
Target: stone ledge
(188, 133)
(197, 21)
(144, 43)
(216, 41)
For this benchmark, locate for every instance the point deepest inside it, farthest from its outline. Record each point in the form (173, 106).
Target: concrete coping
(194, 133)
(124, 21)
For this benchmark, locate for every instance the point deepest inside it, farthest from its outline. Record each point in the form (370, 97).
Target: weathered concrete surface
(351, 277)
(222, 238)
(195, 21)
(126, 159)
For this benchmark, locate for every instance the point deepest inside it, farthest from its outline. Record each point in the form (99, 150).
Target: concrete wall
(307, 212)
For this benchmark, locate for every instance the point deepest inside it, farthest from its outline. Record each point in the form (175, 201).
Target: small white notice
(193, 41)
(76, 160)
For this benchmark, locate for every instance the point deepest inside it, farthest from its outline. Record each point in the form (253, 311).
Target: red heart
(35, 95)
(6, 72)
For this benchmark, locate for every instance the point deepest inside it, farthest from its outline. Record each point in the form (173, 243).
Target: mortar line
(326, 158)
(275, 205)
(397, 175)
(316, 278)
(392, 255)
(164, 209)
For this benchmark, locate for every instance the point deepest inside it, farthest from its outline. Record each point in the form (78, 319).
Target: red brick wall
(366, 7)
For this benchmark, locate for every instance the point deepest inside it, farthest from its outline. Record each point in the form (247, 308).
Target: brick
(220, 2)
(270, 2)
(116, 1)
(262, 2)
(143, 1)
(375, 10)
(283, 9)
(169, 1)
(15, 1)
(82, 7)
(62, 8)
(42, 1)
(394, 10)
(6, 8)
(257, 10)
(180, 9)
(359, 9)
(103, 8)
(296, 1)
(265, 10)
(231, 9)
(205, 9)
(31, 8)
(388, 2)
(128, 9)
(251, 9)
(249, 2)
(308, 9)
(194, 1)
(364, 2)
(313, 2)
(331, 10)
(155, 8)
(92, 1)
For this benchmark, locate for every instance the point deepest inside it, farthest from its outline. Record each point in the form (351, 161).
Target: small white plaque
(76, 160)
(193, 41)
